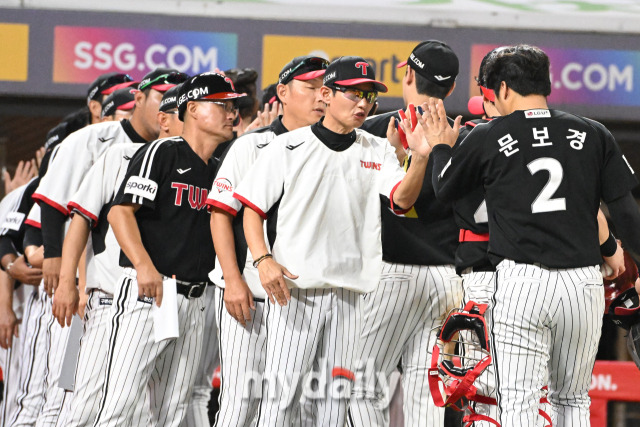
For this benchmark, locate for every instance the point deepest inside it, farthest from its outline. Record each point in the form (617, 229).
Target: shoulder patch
(142, 187)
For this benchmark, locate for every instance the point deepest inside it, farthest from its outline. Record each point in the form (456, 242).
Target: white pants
(242, 357)
(399, 316)
(198, 413)
(10, 363)
(33, 354)
(545, 321)
(318, 327)
(136, 362)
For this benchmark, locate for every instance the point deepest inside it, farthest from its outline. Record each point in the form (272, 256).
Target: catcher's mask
(458, 370)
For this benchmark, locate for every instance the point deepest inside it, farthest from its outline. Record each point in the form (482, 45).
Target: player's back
(543, 186)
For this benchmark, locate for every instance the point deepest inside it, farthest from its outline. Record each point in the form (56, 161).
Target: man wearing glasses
(327, 179)
(89, 207)
(160, 220)
(240, 297)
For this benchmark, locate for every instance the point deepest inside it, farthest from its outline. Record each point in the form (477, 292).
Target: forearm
(603, 227)
(52, 230)
(8, 251)
(409, 189)
(224, 243)
(125, 227)
(7, 259)
(253, 232)
(73, 247)
(6, 290)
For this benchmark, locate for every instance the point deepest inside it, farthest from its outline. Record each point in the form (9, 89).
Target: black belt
(191, 289)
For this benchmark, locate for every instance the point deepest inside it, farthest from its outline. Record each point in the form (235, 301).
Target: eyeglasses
(228, 107)
(356, 95)
(310, 64)
(171, 78)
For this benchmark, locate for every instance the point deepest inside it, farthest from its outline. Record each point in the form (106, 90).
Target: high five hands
(433, 129)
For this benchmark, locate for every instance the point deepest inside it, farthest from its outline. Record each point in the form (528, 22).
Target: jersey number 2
(544, 202)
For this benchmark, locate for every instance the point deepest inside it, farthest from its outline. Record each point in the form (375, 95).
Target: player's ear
(192, 108)
(139, 97)
(162, 121)
(95, 107)
(282, 92)
(326, 93)
(409, 76)
(451, 90)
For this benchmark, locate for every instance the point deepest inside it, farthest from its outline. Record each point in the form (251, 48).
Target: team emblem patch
(13, 221)
(142, 187)
(223, 184)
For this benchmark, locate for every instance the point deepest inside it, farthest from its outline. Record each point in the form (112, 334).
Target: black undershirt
(334, 141)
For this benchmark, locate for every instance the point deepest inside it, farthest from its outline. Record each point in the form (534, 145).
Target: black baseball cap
(206, 86)
(351, 71)
(303, 68)
(162, 79)
(120, 99)
(435, 61)
(106, 84)
(170, 99)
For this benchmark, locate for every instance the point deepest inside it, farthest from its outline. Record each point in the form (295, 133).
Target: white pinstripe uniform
(74, 157)
(168, 368)
(334, 203)
(11, 219)
(92, 201)
(243, 348)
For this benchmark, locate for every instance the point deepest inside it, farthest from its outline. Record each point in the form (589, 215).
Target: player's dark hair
(524, 68)
(429, 88)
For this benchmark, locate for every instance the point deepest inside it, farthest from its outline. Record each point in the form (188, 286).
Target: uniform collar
(334, 141)
(277, 126)
(131, 132)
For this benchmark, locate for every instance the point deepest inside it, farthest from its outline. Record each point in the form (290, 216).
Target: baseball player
(240, 297)
(119, 104)
(544, 172)
(325, 182)
(419, 285)
(73, 159)
(90, 206)
(165, 188)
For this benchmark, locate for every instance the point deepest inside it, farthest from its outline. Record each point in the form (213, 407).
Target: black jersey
(427, 234)
(544, 172)
(170, 182)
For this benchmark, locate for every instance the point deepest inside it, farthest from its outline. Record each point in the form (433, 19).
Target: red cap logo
(364, 67)
(228, 80)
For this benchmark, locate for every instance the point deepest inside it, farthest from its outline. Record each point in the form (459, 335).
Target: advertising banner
(582, 76)
(82, 53)
(14, 52)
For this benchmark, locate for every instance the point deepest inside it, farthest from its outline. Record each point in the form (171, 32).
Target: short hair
(429, 88)
(524, 68)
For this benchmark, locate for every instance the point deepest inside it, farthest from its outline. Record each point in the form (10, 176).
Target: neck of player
(201, 143)
(336, 126)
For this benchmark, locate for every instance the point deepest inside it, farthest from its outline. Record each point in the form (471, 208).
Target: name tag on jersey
(142, 187)
(536, 114)
(13, 221)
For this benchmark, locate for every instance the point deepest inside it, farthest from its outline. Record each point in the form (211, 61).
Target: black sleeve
(626, 218)
(32, 236)
(6, 247)
(52, 221)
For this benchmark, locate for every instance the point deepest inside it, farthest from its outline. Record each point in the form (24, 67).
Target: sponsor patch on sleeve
(13, 221)
(142, 187)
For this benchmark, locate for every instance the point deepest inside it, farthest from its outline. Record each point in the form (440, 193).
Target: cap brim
(402, 64)
(224, 95)
(118, 86)
(475, 106)
(127, 106)
(163, 87)
(380, 87)
(488, 93)
(273, 99)
(310, 75)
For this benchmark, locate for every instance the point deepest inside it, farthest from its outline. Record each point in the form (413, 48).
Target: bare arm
(238, 298)
(125, 227)
(8, 321)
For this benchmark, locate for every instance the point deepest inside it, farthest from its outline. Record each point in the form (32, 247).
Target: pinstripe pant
(10, 363)
(318, 326)
(398, 318)
(135, 361)
(545, 319)
(242, 357)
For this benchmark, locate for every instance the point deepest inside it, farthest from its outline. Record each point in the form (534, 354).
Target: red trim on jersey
(214, 203)
(342, 372)
(40, 198)
(33, 223)
(470, 236)
(74, 205)
(248, 204)
(397, 211)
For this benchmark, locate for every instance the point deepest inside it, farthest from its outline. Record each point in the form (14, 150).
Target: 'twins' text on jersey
(544, 172)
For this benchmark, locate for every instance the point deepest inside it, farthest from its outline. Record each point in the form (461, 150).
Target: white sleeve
(392, 172)
(33, 219)
(98, 185)
(234, 167)
(66, 170)
(263, 185)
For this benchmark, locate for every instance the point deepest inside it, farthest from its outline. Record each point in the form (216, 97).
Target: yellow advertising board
(384, 55)
(14, 52)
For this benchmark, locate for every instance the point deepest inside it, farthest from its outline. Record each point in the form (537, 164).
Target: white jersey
(328, 223)
(92, 201)
(33, 219)
(236, 163)
(74, 158)
(10, 218)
